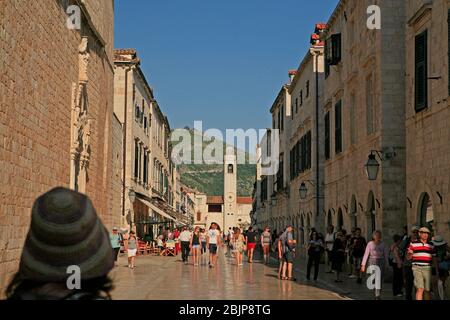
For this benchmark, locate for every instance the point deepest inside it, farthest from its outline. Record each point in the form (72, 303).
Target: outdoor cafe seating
(169, 249)
(143, 248)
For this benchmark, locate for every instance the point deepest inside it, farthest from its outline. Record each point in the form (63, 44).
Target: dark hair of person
(311, 237)
(397, 238)
(357, 229)
(93, 289)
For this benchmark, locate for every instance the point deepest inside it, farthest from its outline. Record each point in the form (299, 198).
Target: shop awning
(156, 209)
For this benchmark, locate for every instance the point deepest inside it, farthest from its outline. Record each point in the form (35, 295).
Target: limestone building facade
(56, 112)
(428, 115)
(363, 107)
(149, 176)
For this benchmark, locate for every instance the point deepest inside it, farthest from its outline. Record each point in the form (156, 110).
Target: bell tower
(229, 189)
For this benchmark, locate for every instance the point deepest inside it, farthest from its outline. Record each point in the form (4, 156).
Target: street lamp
(372, 167)
(132, 197)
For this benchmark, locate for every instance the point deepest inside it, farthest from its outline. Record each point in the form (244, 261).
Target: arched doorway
(340, 220)
(371, 215)
(426, 213)
(354, 213)
(302, 231)
(308, 224)
(329, 218)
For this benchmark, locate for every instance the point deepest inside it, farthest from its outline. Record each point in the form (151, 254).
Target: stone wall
(428, 131)
(365, 53)
(40, 63)
(116, 218)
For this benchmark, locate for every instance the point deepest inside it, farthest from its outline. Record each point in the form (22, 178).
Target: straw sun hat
(65, 231)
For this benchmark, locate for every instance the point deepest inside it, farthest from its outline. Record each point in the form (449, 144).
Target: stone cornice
(419, 14)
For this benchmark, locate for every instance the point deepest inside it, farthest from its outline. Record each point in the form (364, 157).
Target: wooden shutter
(327, 58)
(336, 48)
(421, 72)
(338, 127)
(309, 150)
(327, 135)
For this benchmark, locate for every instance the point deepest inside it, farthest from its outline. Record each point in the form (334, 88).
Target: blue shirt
(115, 240)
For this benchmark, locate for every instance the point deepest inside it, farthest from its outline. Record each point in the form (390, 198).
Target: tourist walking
(42, 273)
(395, 261)
(288, 245)
(238, 242)
(443, 259)
(250, 240)
(408, 276)
(185, 239)
(422, 254)
(213, 242)
(278, 248)
(131, 246)
(314, 249)
(330, 237)
(115, 243)
(203, 240)
(195, 245)
(376, 256)
(176, 237)
(357, 248)
(337, 256)
(266, 242)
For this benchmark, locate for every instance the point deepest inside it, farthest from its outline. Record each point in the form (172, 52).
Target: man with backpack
(358, 247)
(288, 246)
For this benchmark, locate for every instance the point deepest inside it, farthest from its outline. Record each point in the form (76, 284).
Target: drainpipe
(124, 143)
(317, 137)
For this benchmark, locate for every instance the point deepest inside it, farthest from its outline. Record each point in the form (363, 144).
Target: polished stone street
(167, 278)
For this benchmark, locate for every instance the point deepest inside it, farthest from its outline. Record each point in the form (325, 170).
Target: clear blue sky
(222, 62)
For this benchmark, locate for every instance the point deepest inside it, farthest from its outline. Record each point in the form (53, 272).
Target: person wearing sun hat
(422, 253)
(65, 231)
(443, 259)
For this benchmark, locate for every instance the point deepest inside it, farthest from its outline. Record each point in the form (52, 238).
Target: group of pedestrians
(198, 241)
(416, 260)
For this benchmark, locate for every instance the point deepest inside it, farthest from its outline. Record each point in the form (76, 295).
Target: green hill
(208, 178)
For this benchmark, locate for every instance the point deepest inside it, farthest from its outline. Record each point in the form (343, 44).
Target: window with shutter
(336, 49)
(338, 127)
(309, 150)
(327, 136)
(421, 72)
(304, 153)
(448, 44)
(369, 105)
(352, 120)
(327, 57)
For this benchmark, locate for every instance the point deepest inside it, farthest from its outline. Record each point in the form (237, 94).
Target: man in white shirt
(185, 239)
(212, 242)
(329, 241)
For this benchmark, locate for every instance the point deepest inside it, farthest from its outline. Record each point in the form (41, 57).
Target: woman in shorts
(238, 246)
(131, 249)
(266, 241)
(195, 245)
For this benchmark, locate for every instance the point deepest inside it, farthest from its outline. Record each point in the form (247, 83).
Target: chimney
(292, 74)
